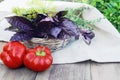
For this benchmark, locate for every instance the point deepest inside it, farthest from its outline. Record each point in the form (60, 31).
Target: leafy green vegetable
(36, 6)
(31, 13)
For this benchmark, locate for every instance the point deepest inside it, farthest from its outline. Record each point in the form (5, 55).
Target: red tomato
(13, 54)
(38, 59)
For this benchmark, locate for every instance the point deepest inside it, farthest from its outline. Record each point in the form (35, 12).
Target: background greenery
(110, 9)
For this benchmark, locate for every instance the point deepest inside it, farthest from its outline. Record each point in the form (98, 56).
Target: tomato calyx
(41, 52)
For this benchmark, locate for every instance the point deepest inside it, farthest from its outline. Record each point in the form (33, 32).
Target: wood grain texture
(3, 70)
(108, 71)
(79, 71)
(44, 75)
(16, 74)
(1, 46)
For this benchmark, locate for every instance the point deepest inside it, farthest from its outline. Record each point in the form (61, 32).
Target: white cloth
(105, 47)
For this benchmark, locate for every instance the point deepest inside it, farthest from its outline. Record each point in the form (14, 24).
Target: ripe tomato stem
(41, 52)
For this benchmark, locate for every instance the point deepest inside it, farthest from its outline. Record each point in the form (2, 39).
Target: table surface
(87, 70)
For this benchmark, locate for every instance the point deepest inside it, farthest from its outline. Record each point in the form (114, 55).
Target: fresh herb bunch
(42, 21)
(76, 16)
(111, 9)
(44, 26)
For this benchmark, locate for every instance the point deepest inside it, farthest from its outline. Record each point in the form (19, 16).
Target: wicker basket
(53, 44)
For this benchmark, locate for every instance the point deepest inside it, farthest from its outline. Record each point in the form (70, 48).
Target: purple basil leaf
(44, 26)
(47, 19)
(91, 35)
(11, 28)
(20, 22)
(22, 36)
(41, 35)
(61, 14)
(69, 27)
(87, 35)
(87, 40)
(63, 35)
(55, 31)
(39, 18)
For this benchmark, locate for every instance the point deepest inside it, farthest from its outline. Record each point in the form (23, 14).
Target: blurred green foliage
(110, 9)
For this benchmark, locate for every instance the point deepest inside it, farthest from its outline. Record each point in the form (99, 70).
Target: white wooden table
(87, 70)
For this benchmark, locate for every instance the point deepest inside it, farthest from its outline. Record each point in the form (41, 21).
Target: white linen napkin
(105, 47)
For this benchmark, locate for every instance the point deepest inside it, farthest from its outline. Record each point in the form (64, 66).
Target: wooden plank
(2, 71)
(79, 71)
(16, 74)
(1, 45)
(44, 75)
(108, 71)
